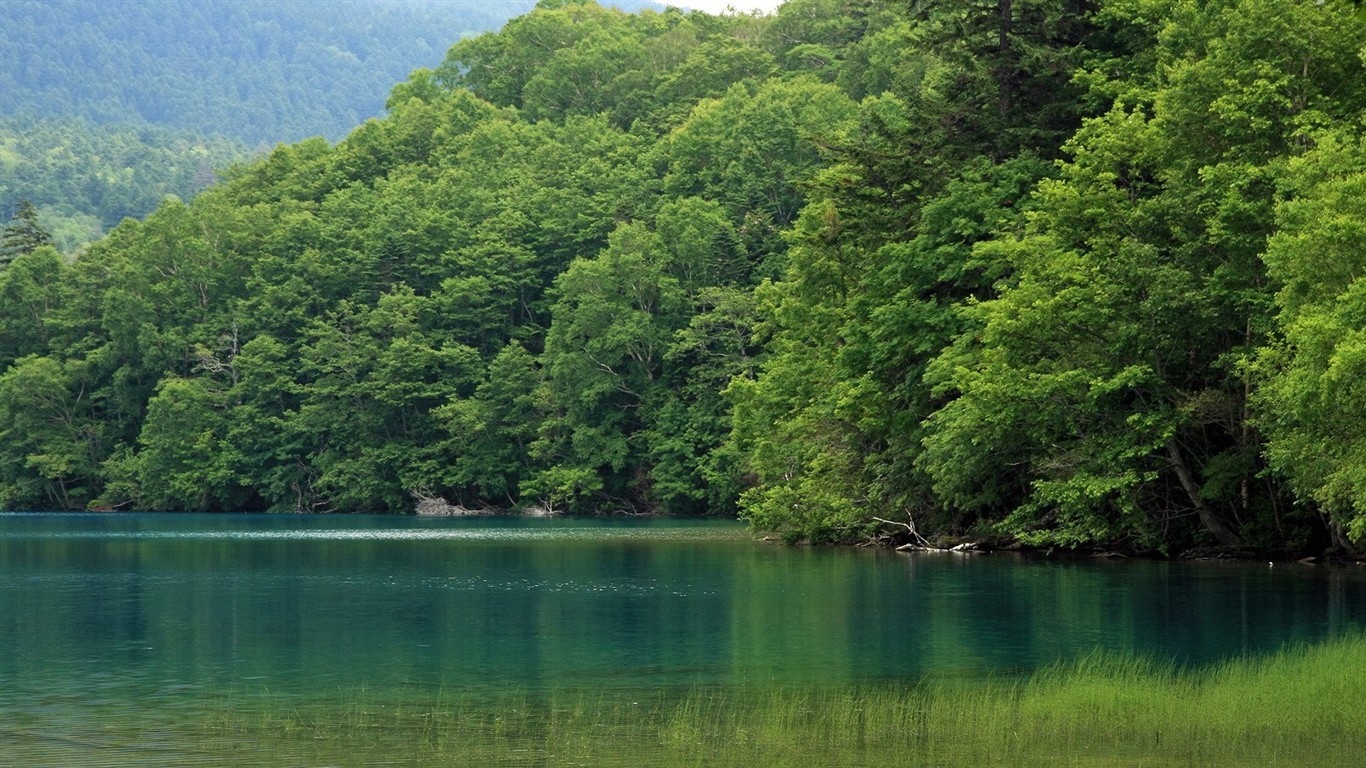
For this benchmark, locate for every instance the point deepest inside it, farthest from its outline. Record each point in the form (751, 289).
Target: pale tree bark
(1212, 522)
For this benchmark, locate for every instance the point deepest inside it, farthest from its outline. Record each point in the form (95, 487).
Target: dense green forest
(85, 179)
(1076, 273)
(254, 70)
(108, 108)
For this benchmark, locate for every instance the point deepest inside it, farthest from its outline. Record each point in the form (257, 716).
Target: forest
(85, 179)
(1068, 273)
(108, 108)
(259, 71)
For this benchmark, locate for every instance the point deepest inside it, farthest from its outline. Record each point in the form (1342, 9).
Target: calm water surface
(99, 612)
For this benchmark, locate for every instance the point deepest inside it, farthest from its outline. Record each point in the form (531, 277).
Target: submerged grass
(1293, 708)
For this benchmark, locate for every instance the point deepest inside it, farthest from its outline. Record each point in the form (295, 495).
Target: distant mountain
(260, 71)
(106, 108)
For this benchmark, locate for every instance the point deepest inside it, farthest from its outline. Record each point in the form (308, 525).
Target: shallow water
(117, 629)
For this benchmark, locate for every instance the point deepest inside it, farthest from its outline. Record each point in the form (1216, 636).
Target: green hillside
(1080, 276)
(260, 71)
(107, 108)
(85, 179)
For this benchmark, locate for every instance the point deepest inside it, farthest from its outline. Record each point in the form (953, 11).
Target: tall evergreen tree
(23, 234)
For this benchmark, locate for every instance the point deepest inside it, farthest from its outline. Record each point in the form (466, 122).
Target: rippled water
(116, 628)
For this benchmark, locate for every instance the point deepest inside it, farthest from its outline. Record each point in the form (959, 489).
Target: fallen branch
(910, 528)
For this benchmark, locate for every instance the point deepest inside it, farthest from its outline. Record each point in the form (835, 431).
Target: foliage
(258, 71)
(1311, 403)
(111, 107)
(1077, 274)
(84, 179)
(23, 234)
(1112, 357)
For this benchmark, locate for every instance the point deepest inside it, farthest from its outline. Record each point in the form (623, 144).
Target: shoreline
(900, 541)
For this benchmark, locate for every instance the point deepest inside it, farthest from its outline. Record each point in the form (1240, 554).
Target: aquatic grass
(1292, 708)
(1277, 709)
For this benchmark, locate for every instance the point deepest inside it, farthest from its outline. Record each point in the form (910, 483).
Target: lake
(117, 629)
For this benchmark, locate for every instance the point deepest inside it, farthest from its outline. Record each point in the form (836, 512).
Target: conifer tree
(23, 234)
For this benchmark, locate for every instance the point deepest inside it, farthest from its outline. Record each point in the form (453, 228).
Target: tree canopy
(111, 107)
(1074, 274)
(254, 70)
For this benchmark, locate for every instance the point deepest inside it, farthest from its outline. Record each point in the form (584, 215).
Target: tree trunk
(1213, 523)
(1340, 542)
(1005, 72)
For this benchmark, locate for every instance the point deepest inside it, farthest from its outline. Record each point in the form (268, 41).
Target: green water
(115, 630)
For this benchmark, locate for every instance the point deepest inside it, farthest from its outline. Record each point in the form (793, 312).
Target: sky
(717, 6)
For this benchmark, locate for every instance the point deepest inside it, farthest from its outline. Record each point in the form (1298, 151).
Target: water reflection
(162, 606)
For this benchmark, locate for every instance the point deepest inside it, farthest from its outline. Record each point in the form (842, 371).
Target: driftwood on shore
(435, 506)
(919, 543)
(967, 547)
